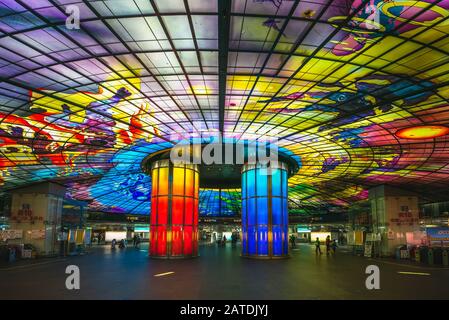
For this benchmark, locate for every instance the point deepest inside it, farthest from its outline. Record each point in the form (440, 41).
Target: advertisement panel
(11, 234)
(438, 234)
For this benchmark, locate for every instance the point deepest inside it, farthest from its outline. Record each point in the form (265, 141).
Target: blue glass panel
(262, 243)
(276, 209)
(244, 211)
(261, 182)
(262, 211)
(284, 183)
(277, 240)
(251, 240)
(250, 180)
(285, 237)
(285, 209)
(276, 182)
(244, 185)
(251, 211)
(244, 236)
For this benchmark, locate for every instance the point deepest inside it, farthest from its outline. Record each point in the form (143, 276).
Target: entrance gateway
(175, 197)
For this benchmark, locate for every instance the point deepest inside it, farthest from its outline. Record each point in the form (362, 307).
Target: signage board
(368, 250)
(358, 238)
(438, 234)
(11, 234)
(88, 236)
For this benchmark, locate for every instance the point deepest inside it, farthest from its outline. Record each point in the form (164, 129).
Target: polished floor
(220, 273)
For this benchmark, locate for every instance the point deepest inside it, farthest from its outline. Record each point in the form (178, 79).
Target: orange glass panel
(189, 183)
(154, 182)
(197, 189)
(153, 213)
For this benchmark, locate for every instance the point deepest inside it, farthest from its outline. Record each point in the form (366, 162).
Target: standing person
(233, 239)
(138, 242)
(328, 244)
(317, 246)
(293, 240)
(224, 241)
(334, 246)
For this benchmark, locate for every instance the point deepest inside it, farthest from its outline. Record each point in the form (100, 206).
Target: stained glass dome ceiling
(356, 89)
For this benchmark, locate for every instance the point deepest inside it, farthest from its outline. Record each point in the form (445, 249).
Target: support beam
(224, 18)
(174, 210)
(264, 211)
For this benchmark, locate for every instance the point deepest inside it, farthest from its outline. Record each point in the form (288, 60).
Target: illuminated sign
(438, 234)
(320, 235)
(142, 228)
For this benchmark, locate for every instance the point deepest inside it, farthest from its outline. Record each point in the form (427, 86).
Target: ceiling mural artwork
(356, 90)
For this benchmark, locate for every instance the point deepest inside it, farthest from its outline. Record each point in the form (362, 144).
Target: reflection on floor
(220, 273)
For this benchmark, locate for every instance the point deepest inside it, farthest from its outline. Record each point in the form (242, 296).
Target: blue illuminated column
(264, 211)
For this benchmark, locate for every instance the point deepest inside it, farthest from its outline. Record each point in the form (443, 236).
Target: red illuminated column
(174, 210)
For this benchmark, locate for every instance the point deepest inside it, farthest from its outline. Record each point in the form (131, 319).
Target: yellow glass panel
(178, 181)
(163, 181)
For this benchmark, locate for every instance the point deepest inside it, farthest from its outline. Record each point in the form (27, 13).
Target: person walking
(317, 246)
(334, 246)
(328, 245)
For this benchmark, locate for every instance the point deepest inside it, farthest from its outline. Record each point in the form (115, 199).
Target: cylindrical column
(174, 210)
(264, 211)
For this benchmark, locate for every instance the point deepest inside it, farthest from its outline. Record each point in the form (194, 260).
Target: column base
(173, 257)
(286, 256)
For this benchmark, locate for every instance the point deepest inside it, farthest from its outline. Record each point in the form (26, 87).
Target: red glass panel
(188, 217)
(188, 241)
(161, 241)
(153, 213)
(195, 240)
(162, 210)
(195, 212)
(176, 241)
(177, 210)
(153, 240)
